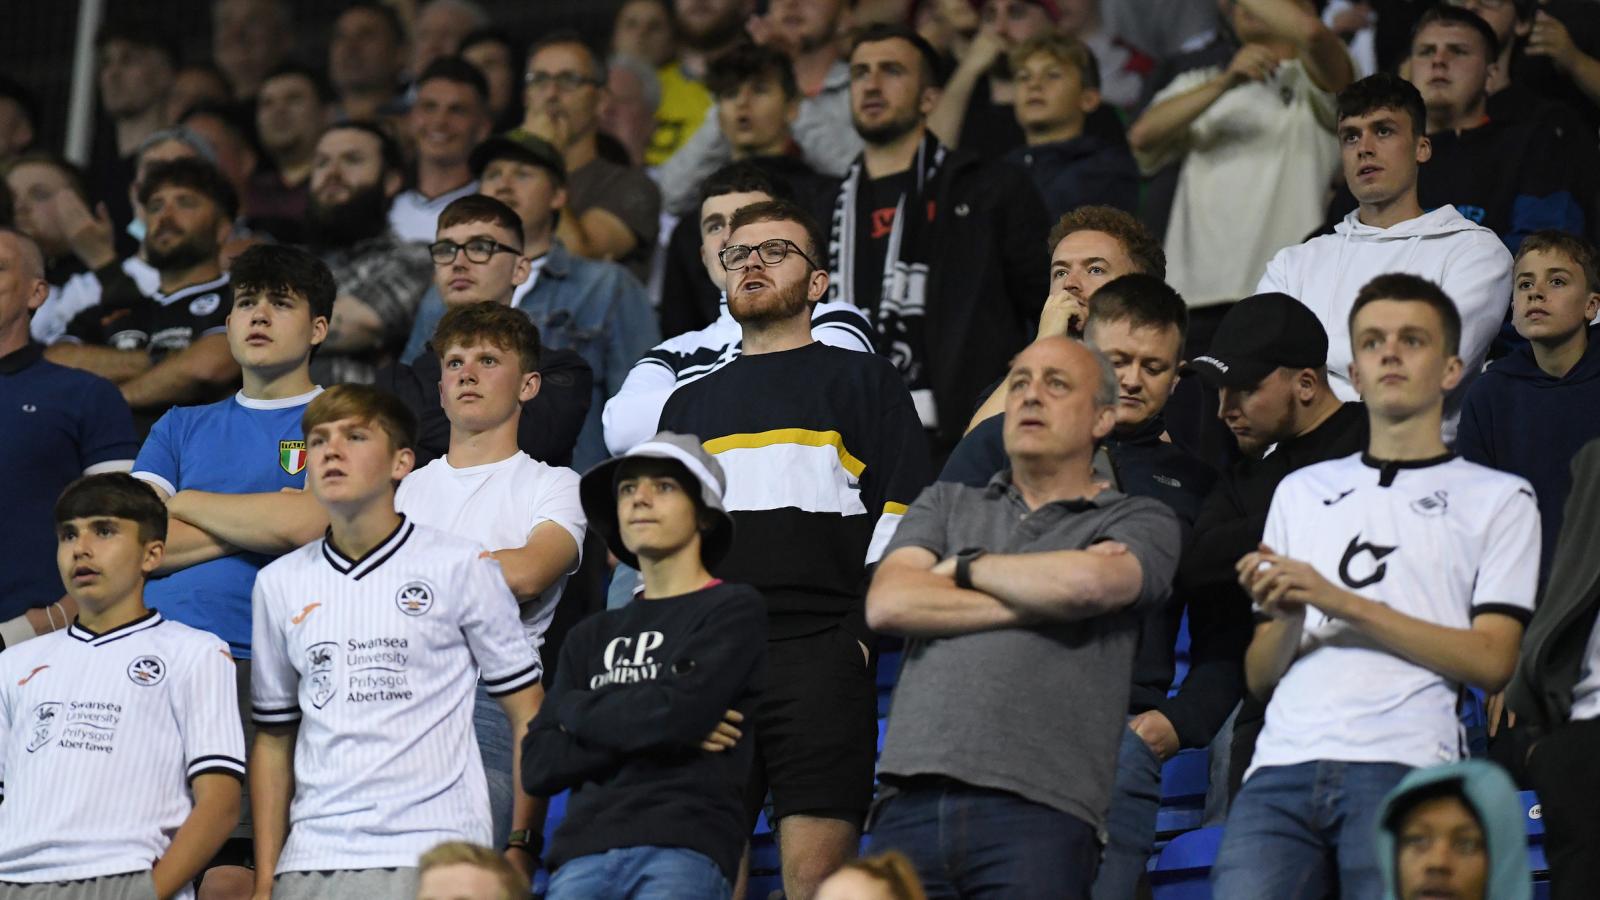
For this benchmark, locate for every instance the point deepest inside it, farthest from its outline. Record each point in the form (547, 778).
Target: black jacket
(1553, 648)
(989, 274)
(550, 421)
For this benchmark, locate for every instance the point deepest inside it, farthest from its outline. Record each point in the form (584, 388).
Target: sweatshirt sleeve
(1220, 627)
(700, 680)
(897, 471)
(1478, 279)
(553, 759)
(631, 416)
(1475, 426)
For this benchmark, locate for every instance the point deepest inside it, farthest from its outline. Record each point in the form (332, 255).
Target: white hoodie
(1465, 259)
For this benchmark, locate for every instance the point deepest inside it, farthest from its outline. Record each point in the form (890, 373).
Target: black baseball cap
(1259, 335)
(522, 147)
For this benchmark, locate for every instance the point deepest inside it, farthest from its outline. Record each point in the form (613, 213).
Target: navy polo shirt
(55, 422)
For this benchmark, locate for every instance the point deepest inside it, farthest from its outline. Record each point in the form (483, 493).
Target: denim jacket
(589, 306)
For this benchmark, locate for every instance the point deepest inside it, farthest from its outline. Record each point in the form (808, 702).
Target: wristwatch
(526, 839)
(964, 561)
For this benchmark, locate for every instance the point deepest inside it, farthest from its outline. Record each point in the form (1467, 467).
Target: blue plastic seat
(1183, 869)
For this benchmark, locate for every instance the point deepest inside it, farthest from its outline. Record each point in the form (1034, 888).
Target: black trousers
(1562, 770)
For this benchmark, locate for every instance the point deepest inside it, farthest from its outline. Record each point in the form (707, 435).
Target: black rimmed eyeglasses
(478, 250)
(736, 256)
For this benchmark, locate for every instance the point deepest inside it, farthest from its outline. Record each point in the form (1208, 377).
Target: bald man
(56, 424)
(993, 636)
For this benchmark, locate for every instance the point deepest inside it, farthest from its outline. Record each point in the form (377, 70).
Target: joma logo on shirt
(629, 660)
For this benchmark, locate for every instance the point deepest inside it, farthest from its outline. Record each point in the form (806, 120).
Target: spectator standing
(168, 348)
(1058, 88)
(908, 201)
(1023, 757)
(56, 424)
(1363, 686)
(613, 211)
(136, 65)
(448, 118)
(636, 408)
(1382, 147)
(438, 29)
(1547, 53)
(1512, 176)
(487, 490)
(810, 34)
(386, 663)
(1555, 694)
(680, 38)
(851, 457)
(479, 271)
(249, 40)
(1256, 141)
(141, 812)
(1534, 409)
(355, 175)
(977, 108)
(500, 62)
(1269, 364)
(645, 720)
(366, 56)
(628, 115)
(292, 109)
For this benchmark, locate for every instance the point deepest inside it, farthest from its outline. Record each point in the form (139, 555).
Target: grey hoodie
(1467, 260)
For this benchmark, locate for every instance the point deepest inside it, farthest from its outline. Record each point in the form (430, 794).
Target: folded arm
(273, 523)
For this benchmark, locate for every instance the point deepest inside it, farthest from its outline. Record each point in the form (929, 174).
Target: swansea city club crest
(292, 456)
(321, 660)
(45, 716)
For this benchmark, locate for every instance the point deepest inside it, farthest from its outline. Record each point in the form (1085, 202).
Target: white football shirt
(377, 660)
(100, 737)
(1440, 540)
(498, 505)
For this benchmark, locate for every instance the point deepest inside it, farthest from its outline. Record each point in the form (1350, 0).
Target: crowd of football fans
(527, 418)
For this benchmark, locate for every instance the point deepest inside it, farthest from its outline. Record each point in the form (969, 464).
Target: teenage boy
(1382, 147)
(486, 489)
(645, 719)
(471, 229)
(119, 736)
(1533, 410)
(369, 644)
(1385, 583)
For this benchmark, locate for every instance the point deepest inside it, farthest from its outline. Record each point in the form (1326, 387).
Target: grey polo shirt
(1036, 711)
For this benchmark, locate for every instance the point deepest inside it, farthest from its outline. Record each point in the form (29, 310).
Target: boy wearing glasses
(824, 452)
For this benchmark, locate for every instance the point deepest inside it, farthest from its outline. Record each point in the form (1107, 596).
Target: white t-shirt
(1441, 541)
(415, 218)
(100, 737)
(498, 505)
(377, 660)
(1586, 693)
(1256, 166)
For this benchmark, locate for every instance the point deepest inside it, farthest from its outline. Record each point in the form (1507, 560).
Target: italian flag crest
(292, 456)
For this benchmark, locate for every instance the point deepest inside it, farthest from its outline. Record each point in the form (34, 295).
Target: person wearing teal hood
(1456, 832)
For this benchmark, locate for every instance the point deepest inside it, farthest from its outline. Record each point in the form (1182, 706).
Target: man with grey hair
(628, 113)
(1021, 601)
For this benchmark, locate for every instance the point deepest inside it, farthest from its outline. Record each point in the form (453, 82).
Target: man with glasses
(615, 210)
(483, 256)
(825, 450)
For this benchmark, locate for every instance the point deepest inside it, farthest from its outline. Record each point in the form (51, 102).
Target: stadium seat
(1183, 869)
(1183, 792)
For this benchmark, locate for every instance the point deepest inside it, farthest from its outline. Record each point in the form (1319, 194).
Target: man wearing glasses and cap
(1268, 361)
(646, 717)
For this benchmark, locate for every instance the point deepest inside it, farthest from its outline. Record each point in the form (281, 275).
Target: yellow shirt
(684, 104)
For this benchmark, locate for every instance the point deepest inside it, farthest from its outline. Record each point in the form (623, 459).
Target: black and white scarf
(905, 264)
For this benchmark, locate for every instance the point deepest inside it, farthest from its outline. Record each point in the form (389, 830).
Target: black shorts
(816, 729)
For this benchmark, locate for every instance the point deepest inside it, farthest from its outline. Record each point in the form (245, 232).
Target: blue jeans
(494, 745)
(1297, 831)
(640, 873)
(1131, 823)
(972, 842)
